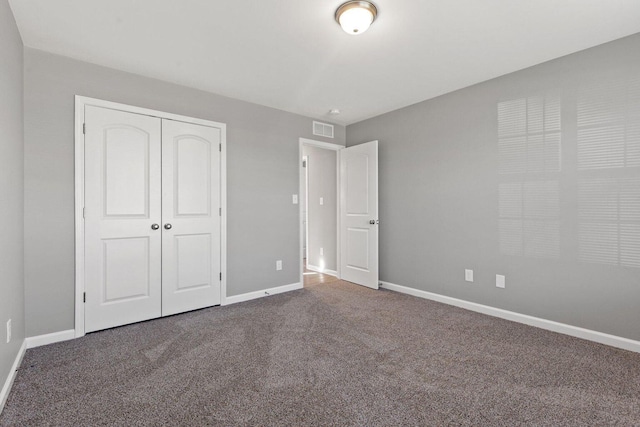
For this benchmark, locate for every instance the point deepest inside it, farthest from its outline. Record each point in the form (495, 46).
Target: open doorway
(319, 212)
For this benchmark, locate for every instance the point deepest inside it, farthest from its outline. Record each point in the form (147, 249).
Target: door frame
(328, 146)
(80, 103)
(305, 207)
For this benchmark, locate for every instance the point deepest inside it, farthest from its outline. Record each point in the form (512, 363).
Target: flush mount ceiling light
(355, 17)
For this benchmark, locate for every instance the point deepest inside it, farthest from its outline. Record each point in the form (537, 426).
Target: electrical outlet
(8, 331)
(321, 201)
(468, 275)
(295, 199)
(279, 264)
(500, 281)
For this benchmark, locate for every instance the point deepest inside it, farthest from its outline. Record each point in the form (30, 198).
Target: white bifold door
(359, 214)
(152, 223)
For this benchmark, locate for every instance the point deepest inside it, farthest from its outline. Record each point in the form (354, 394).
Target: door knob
(154, 226)
(167, 226)
(372, 222)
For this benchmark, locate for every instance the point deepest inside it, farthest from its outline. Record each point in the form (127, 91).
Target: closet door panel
(190, 212)
(192, 170)
(122, 202)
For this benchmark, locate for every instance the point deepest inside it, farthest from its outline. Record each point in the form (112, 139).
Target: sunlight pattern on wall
(608, 119)
(609, 125)
(529, 161)
(609, 226)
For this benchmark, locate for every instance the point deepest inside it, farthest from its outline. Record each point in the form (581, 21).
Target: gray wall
(262, 175)
(11, 190)
(534, 175)
(323, 228)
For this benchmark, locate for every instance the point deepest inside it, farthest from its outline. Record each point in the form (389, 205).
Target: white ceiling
(292, 55)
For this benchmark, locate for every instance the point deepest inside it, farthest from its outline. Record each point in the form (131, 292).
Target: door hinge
(84, 297)
(304, 163)
(84, 128)
(219, 211)
(221, 276)
(220, 147)
(83, 213)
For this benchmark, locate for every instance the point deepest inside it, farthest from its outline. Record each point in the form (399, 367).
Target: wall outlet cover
(279, 265)
(295, 199)
(500, 281)
(468, 275)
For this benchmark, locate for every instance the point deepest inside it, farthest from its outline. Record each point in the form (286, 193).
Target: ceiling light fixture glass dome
(355, 17)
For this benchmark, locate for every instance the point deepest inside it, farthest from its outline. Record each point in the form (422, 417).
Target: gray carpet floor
(332, 354)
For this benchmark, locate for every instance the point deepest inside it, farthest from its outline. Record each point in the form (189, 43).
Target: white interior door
(359, 214)
(122, 204)
(190, 216)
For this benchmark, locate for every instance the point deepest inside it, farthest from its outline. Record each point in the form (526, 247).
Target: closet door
(190, 216)
(122, 218)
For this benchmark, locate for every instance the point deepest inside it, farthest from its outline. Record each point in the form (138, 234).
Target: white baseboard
(550, 325)
(263, 293)
(323, 271)
(6, 388)
(54, 337)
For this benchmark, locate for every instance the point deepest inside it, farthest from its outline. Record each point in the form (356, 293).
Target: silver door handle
(154, 226)
(167, 226)
(372, 222)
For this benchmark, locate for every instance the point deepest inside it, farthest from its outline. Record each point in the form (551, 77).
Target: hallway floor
(315, 278)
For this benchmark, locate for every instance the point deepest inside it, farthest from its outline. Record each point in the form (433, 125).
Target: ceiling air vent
(323, 129)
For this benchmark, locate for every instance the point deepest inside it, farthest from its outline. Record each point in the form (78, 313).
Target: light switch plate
(500, 281)
(468, 275)
(321, 201)
(279, 264)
